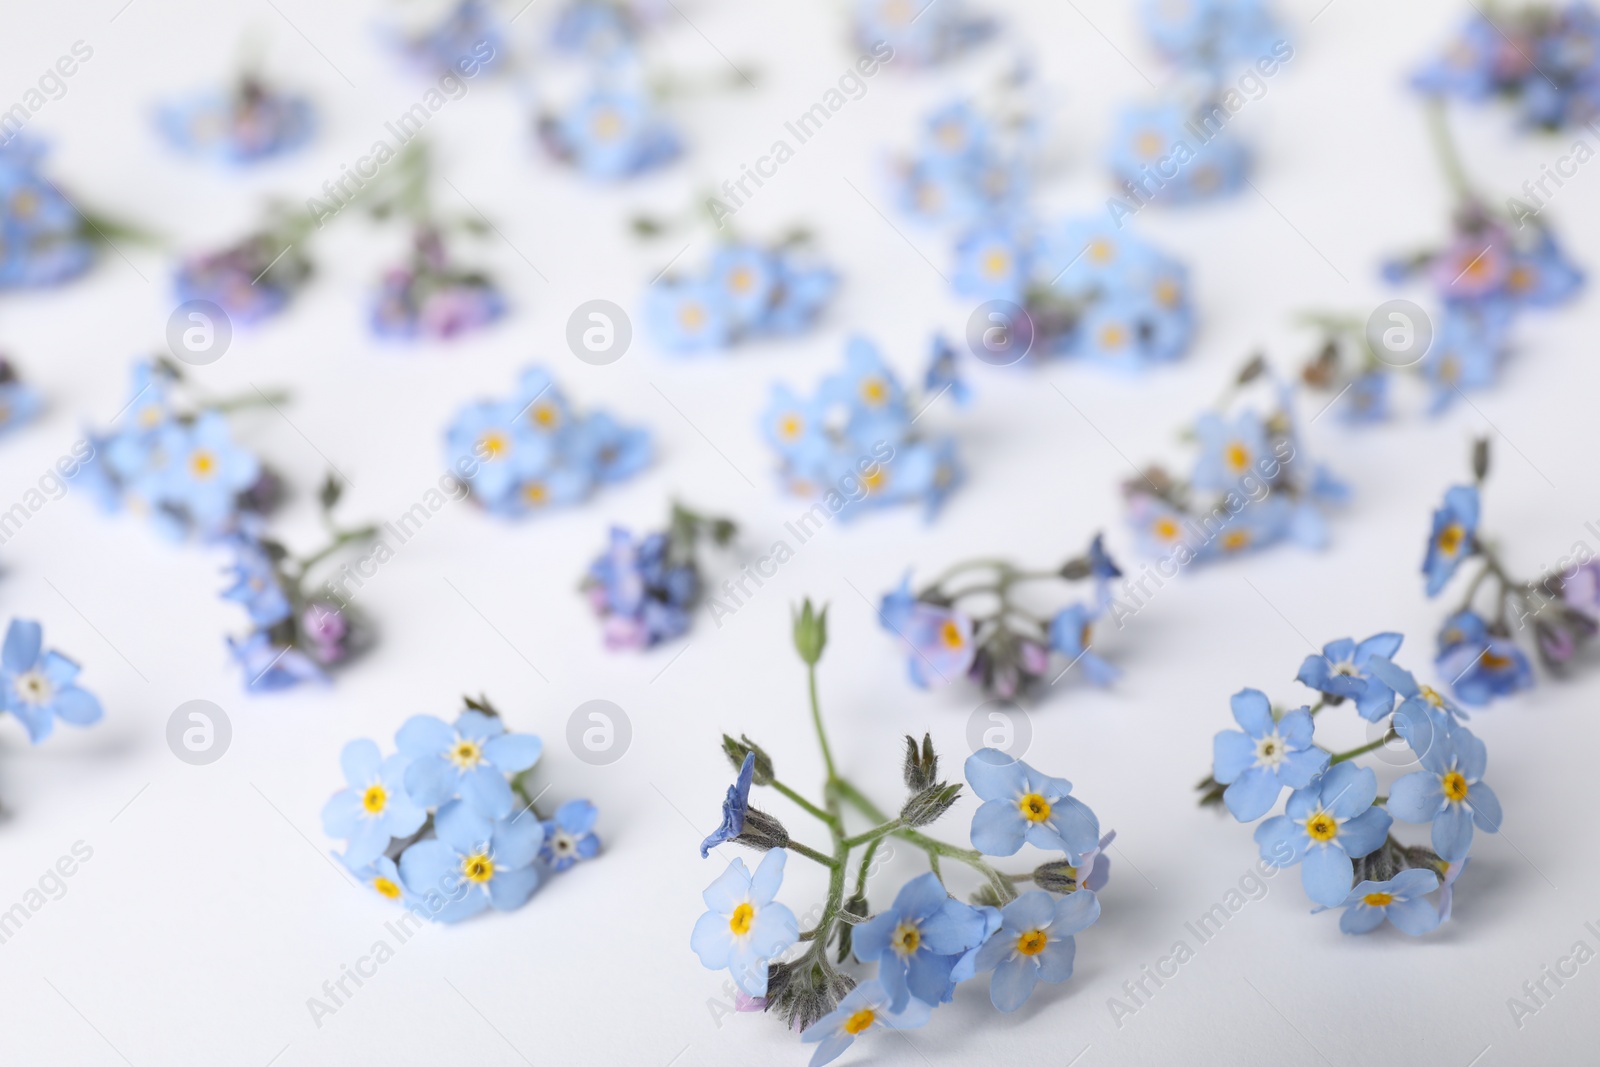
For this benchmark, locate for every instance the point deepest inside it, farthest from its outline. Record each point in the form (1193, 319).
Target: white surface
(207, 915)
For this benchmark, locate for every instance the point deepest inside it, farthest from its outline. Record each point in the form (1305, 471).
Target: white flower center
(34, 688)
(1270, 750)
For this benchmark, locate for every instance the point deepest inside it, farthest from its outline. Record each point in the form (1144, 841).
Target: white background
(209, 914)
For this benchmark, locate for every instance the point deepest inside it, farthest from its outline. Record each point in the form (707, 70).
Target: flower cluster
(923, 32)
(645, 588)
(43, 239)
(1334, 825)
(1557, 612)
(853, 444)
(297, 635)
(599, 27)
(748, 291)
(1250, 487)
(968, 622)
(445, 825)
(428, 296)
(250, 122)
(1178, 150)
(19, 401)
(178, 464)
(615, 129)
(39, 687)
(968, 167)
(1545, 58)
(255, 277)
(469, 38)
(531, 451)
(926, 941)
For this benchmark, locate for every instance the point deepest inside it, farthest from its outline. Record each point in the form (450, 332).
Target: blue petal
(1326, 875)
(1416, 798)
(998, 828)
(768, 877)
(517, 841)
(994, 775)
(487, 790)
(77, 706)
(341, 815)
(1485, 808)
(1253, 794)
(24, 638)
(1415, 917)
(431, 781)
(1281, 840)
(430, 867)
(1300, 769)
(512, 753)
(1358, 918)
(1075, 912)
(476, 726)
(1253, 711)
(510, 889)
(1360, 835)
(1452, 833)
(1232, 754)
(423, 735)
(1055, 962)
(1013, 983)
(360, 760)
(712, 940)
(1071, 827)
(1348, 789)
(462, 828)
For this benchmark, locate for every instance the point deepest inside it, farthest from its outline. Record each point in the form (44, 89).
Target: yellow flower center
(493, 445)
(950, 634)
(1450, 538)
(741, 919)
(1431, 695)
(1033, 942)
(1454, 785)
(478, 868)
(374, 800)
(1101, 250)
(386, 888)
(873, 480)
(1165, 528)
(1149, 144)
(545, 416)
(1034, 807)
(1378, 900)
(606, 124)
(202, 464)
(1238, 457)
(860, 1021)
(789, 427)
(873, 391)
(691, 316)
(741, 279)
(1234, 540)
(535, 493)
(1112, 335)
(1167, 292)
(1322, 827)
(905, 939)
(1495, 661)
(465, 754)
(996, 263)
(150, 416)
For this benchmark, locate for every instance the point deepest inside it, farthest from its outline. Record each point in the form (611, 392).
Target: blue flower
(921, 34)
(494, 436)
(894, 611)
(745, 928)
(1481, 664)
(1341, 672)
(1072, 635)
(944, 374)
(863, 1008)
(1415, 699)
(1542, 276)
(1453, 538)
(941, 644)
(1401, 900)
(570, 837)
(612, 134)
(470, 758)
(1035, 944)
(918, 941)
(1366, 398)
(375, 807)
(1257, 762)
(734, 808)
(1328, 823)
(1153, 140)
(1210, 36)
(1465, 353)
(383, 877)
(803, 290)
(1020, 804)
(1228, 450)
(43, 240)
(466, 40)
(642, 599)
(206, 471)
(992, 264)
(249, 123)
(41, 686)
(270, 665)
(475, 862)
(688, 315)
(608, 451)
(1449, 791)
(255, 582)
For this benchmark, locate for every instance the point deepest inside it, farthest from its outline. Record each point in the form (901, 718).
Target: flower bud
(762, 831)
(1058, 876)
(921, 768)
(810, 632)
(736, 751)
(926, 806)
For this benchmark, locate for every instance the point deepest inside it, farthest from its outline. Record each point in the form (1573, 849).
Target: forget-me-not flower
(1257, 762)
(1020, 804)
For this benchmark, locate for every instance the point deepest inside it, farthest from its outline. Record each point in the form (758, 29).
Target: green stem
(866, 862)
(1444, 146)
(238, 403)
(816, 719)
(344, 538)
(933, 847)
(872, 835)
(809, 807)
(812, 854)
(1363, 750)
